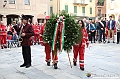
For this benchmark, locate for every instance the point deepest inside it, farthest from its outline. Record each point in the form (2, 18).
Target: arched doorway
(119, 15)
(30, 18)
(11, 18)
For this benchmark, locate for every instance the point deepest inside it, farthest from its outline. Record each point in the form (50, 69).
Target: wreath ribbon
(62, 31)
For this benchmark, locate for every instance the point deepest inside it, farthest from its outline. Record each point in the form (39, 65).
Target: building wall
(113, 8)
(92, 5)
(70, 3)
(37, 8)
(102, 8)
(54, 4)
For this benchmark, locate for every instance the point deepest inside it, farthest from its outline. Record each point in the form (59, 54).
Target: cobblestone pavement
(101, 61)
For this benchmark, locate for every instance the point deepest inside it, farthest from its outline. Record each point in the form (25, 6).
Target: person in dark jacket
(92, 27)
(102, 26)
(118, 30)
(26, 33)
(97, 28)
(111, 28)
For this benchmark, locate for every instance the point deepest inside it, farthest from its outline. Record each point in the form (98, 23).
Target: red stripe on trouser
(81, 56)
(48, 53)
(82, 64)
(78, 49)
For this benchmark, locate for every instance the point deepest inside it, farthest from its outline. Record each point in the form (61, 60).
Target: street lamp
(5, 1)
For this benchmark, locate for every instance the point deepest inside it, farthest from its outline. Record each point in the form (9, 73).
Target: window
(99, 12)
(51, 9)
(83, 9)
(66, 8)
(75, 9)
(11, 1)
(90, 0)
(90, 10)
(83, 1)
(27, 2)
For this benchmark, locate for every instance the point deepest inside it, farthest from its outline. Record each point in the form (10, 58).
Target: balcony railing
(80, 2)
(100, 3)
(103, 15)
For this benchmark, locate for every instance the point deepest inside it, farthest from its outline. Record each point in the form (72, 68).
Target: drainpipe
(59, 6)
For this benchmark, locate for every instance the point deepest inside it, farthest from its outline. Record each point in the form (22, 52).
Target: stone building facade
(11, 10)
(79, 8)
(113, 9)
(100, 9)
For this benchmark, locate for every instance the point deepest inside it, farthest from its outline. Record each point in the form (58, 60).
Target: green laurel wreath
(72, 31)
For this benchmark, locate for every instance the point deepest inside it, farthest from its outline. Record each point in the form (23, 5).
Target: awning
(30, 16)
(12, 15)
(40, 16)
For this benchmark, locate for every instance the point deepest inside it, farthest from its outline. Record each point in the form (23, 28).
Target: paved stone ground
(101, 61)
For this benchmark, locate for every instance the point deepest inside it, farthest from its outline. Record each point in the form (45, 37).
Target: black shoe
(5, 46)
(75, 63)
(108, 41)
(23, 65)
(2, 47)
(117, 42)
(34, 43)
(48, 63)
(104, 41)
(82, 68)
(113, 42)
(96, 39)
(55, 66)
(28, 65)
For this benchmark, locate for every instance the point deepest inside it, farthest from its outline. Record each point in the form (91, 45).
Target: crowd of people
(100, 30)
(10, 32)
